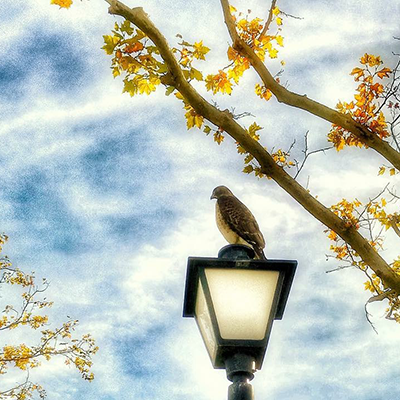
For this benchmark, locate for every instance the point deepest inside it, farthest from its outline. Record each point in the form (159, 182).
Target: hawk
(236, 222)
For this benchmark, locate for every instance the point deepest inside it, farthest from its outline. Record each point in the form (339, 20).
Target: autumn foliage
(365, 108)
(50, 342)
(143, 68)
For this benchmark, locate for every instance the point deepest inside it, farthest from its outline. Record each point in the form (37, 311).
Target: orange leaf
(384, 72)
(133, 47)
(62, 3)
(358, 72)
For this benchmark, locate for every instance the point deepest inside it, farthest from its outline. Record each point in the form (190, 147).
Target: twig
(339, 268)
(290, 15)
(367, 315)
(307, 154)
(269, 20)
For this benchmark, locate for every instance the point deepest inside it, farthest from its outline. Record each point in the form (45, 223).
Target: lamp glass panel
(242, 301)
(203, 319)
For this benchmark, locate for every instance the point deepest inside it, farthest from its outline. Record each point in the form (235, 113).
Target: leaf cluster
(51, 342)
(365, 108)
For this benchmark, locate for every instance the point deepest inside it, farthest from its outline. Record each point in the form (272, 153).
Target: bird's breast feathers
(230, 236)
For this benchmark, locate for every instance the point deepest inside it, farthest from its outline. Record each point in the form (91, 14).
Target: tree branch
(269, 20)
(268, 166)
(284, 95)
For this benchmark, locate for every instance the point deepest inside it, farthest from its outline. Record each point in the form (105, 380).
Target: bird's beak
(212, 196)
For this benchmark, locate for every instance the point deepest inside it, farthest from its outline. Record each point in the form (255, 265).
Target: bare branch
(307, 154)
(290, 15)
(339, 268)
(367, 315)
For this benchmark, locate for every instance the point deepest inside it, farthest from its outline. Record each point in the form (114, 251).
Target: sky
(107, 196)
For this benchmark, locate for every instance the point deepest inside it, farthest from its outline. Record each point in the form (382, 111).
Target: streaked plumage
(236, 222)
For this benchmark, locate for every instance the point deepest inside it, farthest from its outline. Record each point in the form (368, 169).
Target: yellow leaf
(358, 72)
(115, 72)
(198, 120)
(253, 128)
(332, 235)
(392, 171)
(279, 40)
(232, 9)
(62, 3)
(200, 50)
(179, 96)
(218, 137)
(381, 170)
(275, 11)
(242, 24)
(145, 86)
(232, 54)
(248, 169)
(273, 53)
(279, 21)
(340, 145)
(110, 43)
(207, 130)
(189, 120)
(195, 74)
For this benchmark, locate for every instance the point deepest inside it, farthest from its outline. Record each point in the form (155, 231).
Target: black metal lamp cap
(237, 252)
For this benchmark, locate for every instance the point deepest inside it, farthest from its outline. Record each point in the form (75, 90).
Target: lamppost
(234, 300)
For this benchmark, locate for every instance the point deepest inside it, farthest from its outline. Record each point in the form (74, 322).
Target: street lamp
(234, 300)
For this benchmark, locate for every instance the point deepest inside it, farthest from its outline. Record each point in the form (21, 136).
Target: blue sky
(107, 196)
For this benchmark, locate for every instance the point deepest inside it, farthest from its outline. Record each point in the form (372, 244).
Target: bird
(236, 222)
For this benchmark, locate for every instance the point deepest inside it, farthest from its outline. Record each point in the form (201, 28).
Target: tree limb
(284, 95)
(268, 166)
(269, 19)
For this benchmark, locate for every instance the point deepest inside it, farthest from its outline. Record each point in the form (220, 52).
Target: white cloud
(127, 288)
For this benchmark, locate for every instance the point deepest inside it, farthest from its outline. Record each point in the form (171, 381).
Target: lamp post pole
(240, 370)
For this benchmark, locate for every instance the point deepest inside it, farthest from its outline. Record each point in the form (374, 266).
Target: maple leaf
(253, 128)
(232, 54)
(273, 53)
(248, 158)
(200, 51)
(279, 21)
(279, 40)
(242, 24)
(145, 86)
(359, 72)
(218, 137)
(263, 92)
(371, 60)
(248, 169)
(198, 120)
(62, 3)
(219, 83)
(207, 130)
(195, 74)
(276, 11)
(127, 27)
(384, 72)
(134, 47)
(110, 43)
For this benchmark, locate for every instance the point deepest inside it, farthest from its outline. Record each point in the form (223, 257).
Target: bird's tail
(260, 253)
